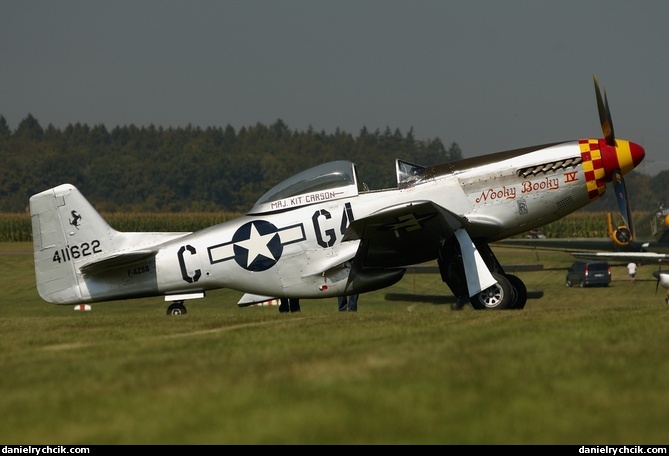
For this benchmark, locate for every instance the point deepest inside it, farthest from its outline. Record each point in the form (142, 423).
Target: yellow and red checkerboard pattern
(593, 167)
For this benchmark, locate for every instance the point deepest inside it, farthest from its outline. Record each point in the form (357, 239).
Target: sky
(489, 75)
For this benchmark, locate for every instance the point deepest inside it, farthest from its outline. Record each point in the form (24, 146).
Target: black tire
(176, 308)
(500, 296)
(521, 291)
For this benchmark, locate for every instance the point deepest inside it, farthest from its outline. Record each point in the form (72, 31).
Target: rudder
(67, 232)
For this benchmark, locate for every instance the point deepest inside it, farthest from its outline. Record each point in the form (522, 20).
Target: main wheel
(521, 291)
(498, 297)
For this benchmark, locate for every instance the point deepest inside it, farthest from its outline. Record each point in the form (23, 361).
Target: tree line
(216, 169)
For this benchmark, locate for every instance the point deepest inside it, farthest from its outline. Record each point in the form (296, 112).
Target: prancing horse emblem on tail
(75, 219)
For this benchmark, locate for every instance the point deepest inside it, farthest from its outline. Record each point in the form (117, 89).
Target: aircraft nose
(625, 156)
(637, 154)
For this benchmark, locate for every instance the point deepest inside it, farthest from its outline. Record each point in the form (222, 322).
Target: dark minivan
(589, 274)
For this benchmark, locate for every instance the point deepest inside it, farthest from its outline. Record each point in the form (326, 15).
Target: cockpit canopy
(329, 181)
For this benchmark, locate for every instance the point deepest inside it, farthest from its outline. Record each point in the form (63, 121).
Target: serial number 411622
(73, 252)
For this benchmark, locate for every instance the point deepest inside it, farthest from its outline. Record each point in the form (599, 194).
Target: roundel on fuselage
(257, 245)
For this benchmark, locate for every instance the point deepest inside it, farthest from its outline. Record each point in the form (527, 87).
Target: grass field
(576, 366)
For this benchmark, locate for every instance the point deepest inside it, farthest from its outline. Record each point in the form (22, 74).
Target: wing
(413, 233)
(637, 257)
(402, 235)
(561, 244)
(249, 299)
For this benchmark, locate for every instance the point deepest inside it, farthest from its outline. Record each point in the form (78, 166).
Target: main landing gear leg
(508, 293)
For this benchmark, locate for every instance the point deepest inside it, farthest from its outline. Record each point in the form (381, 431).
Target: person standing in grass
(349, 303)
(631, 270)
(289, 305)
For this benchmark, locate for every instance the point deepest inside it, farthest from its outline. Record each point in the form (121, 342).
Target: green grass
(577, 366)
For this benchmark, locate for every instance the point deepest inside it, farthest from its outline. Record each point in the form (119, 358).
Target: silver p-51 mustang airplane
(321, 233)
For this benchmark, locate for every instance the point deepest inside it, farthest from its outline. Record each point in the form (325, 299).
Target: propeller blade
(604, 115)
(623, 200)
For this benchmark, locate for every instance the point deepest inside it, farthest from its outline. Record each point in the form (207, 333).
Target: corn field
(17, 227)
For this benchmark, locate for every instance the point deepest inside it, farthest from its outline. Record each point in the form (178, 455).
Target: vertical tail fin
(67, 231)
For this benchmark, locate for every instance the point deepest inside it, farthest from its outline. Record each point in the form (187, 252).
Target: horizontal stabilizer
(116, 261)
(249, 299)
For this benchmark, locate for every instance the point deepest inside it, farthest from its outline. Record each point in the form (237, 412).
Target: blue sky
(489, 75)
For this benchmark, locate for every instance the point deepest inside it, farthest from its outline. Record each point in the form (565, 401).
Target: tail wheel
(498, 297)
(176, 308)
